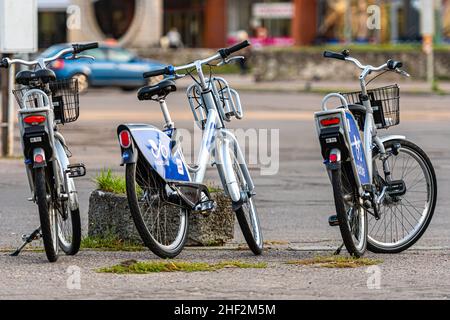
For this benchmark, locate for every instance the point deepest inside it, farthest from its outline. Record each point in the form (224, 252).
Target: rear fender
(129, 155)
(155, 147)
(39, 153)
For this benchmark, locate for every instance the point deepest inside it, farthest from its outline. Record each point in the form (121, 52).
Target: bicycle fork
(226, 143)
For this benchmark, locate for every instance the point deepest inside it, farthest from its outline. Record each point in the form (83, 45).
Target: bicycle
(45, 103)
(384, 188)
(161, 192)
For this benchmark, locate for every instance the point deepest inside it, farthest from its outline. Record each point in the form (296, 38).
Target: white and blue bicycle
(162, 189)
(384, 187)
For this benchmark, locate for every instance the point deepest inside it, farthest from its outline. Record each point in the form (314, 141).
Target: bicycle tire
(42, 199)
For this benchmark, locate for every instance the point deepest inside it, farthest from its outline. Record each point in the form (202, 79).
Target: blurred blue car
(113, 66)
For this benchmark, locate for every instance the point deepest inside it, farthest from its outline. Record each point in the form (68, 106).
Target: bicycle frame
(370, 134)
(216, 144)
(217, 141)
(58, 159)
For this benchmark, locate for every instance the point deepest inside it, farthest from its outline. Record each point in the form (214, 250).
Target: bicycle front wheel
(47, 214)
(162, 225)
(405, 215)
(351, 215)
(69, 230)
(247, 215)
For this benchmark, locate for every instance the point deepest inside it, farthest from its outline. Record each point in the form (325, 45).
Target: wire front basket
(65, 97)
(227, 100)
(66, 100)
(385, 103)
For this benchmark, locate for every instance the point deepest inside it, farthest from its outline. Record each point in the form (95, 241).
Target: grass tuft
(143, 267)
(110, 243)
(336, 262)
(109, 182)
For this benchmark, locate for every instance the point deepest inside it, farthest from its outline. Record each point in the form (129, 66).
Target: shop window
(446, 20)
(52, 28)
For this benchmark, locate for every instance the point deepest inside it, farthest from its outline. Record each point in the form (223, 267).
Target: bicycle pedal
(333, 221)
(396, 188)
(208, 205)
(76, 170)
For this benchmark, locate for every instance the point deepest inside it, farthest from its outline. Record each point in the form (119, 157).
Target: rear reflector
(330, 121)
(333, 157)
(125, 139)
(34, 120)
(39, 158)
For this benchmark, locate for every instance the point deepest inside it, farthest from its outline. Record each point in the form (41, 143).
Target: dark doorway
(52, 28)
(187, 17)
(114, 17)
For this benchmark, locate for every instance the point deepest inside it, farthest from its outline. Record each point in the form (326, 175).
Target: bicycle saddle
(26, 76)
(159, 90)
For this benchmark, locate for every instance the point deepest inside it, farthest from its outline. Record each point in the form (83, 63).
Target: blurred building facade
(216, 23)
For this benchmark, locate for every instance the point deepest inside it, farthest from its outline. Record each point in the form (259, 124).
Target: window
(120, 55)
(98, 54)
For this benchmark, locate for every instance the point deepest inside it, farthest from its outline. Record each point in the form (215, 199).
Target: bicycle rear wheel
(351, 215)
(47, 214)
(162, 225)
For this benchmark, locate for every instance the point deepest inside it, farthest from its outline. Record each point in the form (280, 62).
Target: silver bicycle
(44, 104)
(384, 187)
(162, 189)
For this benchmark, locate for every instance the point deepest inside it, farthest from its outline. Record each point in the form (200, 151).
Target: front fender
(392, 137)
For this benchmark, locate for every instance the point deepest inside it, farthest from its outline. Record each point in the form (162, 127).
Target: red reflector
(125, 139)
(330, 121)
(333, 157)
(34, 120)
(39, 158)
(58, 64)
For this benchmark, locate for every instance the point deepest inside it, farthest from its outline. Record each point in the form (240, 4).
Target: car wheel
(83, 82)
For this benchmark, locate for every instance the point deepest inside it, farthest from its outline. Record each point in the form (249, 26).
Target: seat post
(168, 120)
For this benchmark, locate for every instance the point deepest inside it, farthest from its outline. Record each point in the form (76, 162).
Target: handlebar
(392, 65)
(334, 55)
(75, 49)
(164, 71)
(78, 48)
(221, 54)
(224, 53)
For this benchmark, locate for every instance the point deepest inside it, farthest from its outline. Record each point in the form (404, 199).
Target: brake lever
(402, 72)
(82, 56)
(229, 60)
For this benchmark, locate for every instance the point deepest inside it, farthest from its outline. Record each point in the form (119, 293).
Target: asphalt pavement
(293, 204)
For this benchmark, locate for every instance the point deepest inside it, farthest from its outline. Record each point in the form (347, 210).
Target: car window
(53, 50)
(120, 55)
(98, 54)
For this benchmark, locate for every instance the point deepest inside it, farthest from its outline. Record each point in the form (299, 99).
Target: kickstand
(338, 250)
(35, 235)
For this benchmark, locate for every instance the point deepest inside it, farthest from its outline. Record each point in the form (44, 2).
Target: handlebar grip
(334, 55)
(169, 70)
(228, 51)
(4, 63)
(78, 48)
(393, 64)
